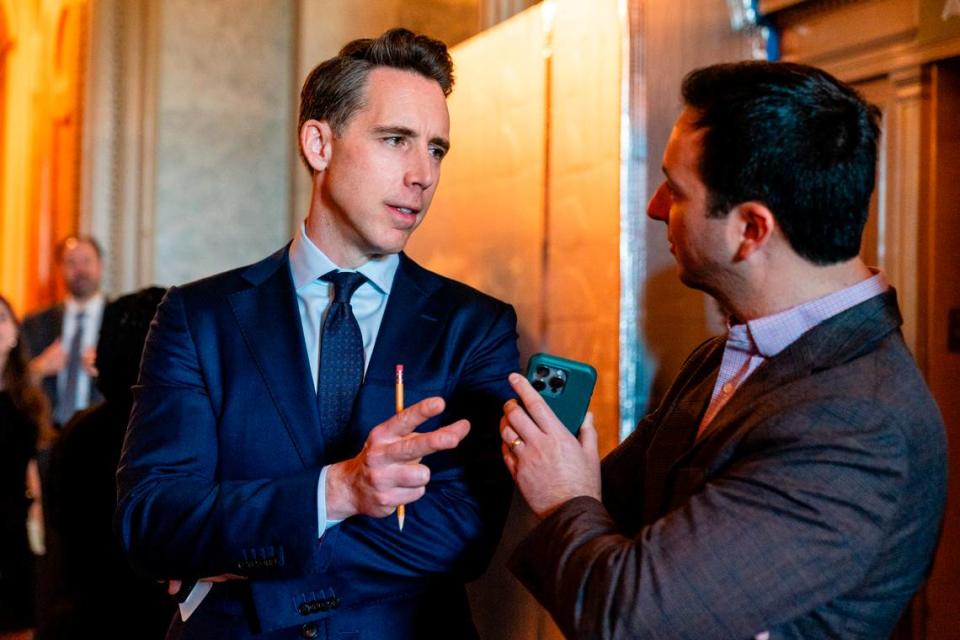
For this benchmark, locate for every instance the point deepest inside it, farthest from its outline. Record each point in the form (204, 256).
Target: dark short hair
(794, 138)
(79, 239)
(334, 90)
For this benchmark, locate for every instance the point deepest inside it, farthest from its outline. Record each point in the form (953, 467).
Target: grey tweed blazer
(810, 509)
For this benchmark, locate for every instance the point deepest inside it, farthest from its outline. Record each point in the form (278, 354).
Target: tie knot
(345, 283)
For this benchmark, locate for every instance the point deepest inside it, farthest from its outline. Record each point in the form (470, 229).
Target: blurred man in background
(63, 337)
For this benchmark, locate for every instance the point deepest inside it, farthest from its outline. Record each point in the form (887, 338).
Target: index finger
(412, 417)
(541, 414)
(419, 445)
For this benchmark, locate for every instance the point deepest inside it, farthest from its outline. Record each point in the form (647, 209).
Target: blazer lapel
(676, 433)
(269, 320)
(839, 339)
(410, 330)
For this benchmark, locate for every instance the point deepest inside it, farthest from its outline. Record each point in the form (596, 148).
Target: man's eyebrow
(443, 143)
(395, 130)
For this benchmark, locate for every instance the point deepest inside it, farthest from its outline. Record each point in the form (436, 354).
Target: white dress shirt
(307, 264)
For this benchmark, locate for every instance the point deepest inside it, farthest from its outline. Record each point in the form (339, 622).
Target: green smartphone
(566, 385)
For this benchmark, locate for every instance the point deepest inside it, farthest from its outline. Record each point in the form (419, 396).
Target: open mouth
(407, 211)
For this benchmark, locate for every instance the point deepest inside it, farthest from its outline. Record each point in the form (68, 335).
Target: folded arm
(176, 517)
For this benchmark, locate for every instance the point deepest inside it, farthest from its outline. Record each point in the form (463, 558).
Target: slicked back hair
(794, 138)
(336, 88)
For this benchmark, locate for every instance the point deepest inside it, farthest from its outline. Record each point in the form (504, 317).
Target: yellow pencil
(401, 509)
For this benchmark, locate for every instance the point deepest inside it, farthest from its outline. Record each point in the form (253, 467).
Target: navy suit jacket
(224, 449)
(810, 507)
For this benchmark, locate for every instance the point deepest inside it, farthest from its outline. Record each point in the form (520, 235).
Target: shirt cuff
(323, 523)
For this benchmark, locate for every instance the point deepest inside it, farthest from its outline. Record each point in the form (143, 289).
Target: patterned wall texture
(224, 131)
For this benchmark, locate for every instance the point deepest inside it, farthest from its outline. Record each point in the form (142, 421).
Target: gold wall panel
(42, 66)
(583, 207)
(529, 216)
(485, 227)
(528, 210)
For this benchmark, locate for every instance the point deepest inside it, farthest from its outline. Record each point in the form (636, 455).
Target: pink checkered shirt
(749, 345)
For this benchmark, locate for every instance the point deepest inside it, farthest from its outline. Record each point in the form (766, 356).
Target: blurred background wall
(166, 129)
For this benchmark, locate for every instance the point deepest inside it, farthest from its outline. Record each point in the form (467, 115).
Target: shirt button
(727, 387)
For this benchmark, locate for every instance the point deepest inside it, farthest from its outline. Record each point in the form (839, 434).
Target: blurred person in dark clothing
(23, 414)
(96, 594)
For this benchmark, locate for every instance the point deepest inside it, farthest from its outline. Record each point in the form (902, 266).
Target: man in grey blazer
(792, 481)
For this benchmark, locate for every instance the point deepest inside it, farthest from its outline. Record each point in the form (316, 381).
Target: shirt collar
(92, 305)
(772, 334)
(308, 262)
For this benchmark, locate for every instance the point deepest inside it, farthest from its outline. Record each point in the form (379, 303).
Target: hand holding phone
(566, 386)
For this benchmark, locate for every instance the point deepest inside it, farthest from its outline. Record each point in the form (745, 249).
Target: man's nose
(421, 169)
(659, 206)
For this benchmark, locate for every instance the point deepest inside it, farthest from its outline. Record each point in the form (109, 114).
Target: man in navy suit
(792, 481)
(257, 462)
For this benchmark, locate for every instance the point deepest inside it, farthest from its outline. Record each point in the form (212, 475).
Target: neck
(83, 300)
(780, 289)
(324, 234)
(323, 231)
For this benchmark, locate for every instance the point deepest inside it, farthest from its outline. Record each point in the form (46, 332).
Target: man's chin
(83, 292)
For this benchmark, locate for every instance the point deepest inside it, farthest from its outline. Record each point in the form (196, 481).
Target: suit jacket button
(309, 630)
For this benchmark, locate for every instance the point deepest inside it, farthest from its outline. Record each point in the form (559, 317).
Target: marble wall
(224, 132)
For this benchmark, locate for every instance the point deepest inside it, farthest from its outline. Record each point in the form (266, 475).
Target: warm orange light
(42, 47)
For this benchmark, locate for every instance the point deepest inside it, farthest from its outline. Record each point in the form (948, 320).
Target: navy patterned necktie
(341, 358)
(67, 402)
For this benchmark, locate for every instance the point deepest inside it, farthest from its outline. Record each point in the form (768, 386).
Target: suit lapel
(677, 431)
(410, 330)
(269, 320)
(839, 339)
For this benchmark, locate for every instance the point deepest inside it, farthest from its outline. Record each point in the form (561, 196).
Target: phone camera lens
(538, 385)
(542, 371)
(556, 383)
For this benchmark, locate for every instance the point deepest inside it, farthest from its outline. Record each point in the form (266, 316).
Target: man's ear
(316, 143)
(755, 227)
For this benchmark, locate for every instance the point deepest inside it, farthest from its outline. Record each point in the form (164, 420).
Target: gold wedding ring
(513, 445)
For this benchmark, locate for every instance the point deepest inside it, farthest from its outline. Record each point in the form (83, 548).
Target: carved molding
(904, 128)
(889, 59)
(801, 8)
(119, 142)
